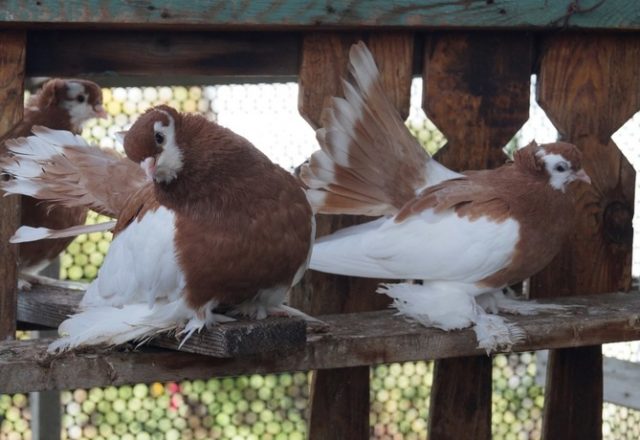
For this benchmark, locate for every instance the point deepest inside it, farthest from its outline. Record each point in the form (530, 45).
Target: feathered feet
(454, 308)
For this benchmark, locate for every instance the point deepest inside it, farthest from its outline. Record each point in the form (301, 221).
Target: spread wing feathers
(26, 234)
(59, 166)
(369, 162)
(427, 246)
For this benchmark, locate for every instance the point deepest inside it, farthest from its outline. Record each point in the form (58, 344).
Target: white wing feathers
(58, 166)
(428, 246)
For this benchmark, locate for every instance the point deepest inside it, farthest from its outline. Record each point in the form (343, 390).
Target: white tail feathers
(369, 162)
(28, 233)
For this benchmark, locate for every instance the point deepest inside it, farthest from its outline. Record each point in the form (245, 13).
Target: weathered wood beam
(330, 14)
(324, 65)
(132, 54)
(49, 306)
(476, 91)
(588, 87)
(12, 62)
(354, 339)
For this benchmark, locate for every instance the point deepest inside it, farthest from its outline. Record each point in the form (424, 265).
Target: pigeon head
(80, 98)
(559, 162)
(152, 142)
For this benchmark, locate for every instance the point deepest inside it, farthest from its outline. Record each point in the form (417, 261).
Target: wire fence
(274, 406)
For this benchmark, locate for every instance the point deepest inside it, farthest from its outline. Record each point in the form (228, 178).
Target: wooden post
(476, 91)
(12, 67)
(340, 397)
(46, 408)
(589, 88)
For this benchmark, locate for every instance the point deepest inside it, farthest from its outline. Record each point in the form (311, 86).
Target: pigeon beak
(581, 175)
(149, 167)
(100, 111)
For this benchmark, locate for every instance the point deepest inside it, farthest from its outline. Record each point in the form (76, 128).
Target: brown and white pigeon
(466, 236)
(216, 224)
(61, 104)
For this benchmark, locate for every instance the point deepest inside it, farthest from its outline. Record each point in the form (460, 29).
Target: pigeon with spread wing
(464, 236)
(204, 221)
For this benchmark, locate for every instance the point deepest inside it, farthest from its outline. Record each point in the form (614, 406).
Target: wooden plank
(353, 340)
(45, 406)
(476, 91)
(324, 64)
(287, 14)
(588, 87)
(166, 54)
(12, 61)
(450, 399)
(49, 306)
(574, 386)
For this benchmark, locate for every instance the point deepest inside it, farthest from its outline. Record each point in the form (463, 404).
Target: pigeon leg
(495, 332)
(497, 302)
(314, 324)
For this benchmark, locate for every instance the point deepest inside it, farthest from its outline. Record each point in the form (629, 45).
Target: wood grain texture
(588, 86)
(49, 306)
(450, 399)
(573, 379)
(325, 58)
(117, 53)
(287, 14)
(353, 340)
(324, 64)
(476, 90)
(12, 62)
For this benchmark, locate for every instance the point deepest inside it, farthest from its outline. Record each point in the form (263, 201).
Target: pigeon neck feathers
(197, 164)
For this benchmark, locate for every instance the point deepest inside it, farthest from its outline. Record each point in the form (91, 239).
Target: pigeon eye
(561, 167)
(80, 99)
(159, 138)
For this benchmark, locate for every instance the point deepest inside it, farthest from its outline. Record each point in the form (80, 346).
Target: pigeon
(62, 104)
(206, 224)
(463, 236)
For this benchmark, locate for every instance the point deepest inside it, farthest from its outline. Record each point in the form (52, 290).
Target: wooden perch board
(353, 339)
(49, 306)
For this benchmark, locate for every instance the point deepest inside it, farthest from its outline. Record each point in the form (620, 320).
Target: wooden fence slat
(589, 87)
(324, 63)
(137, 53)
(451, 399)
(476, 91)
(12, 67)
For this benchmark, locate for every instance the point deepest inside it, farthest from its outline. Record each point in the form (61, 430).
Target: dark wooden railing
(476, 59)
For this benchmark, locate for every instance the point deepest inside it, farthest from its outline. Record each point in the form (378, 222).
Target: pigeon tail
(111, 326)
(60, 167)
(369, 162)
(26, 234)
